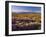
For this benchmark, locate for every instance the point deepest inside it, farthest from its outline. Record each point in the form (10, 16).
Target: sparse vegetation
(26, 21)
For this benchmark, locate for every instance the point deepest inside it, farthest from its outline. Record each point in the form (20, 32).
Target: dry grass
(36, 17)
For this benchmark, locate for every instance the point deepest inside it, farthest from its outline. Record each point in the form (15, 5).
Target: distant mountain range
(27, 12)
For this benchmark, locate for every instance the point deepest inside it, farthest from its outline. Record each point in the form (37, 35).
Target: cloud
(17, 11)
(37, 11)
(21, 11)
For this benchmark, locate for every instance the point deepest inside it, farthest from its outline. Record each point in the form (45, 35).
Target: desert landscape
(31, 21)
(26, 18)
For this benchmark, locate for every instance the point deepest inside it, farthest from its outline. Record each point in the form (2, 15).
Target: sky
(18, 9)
